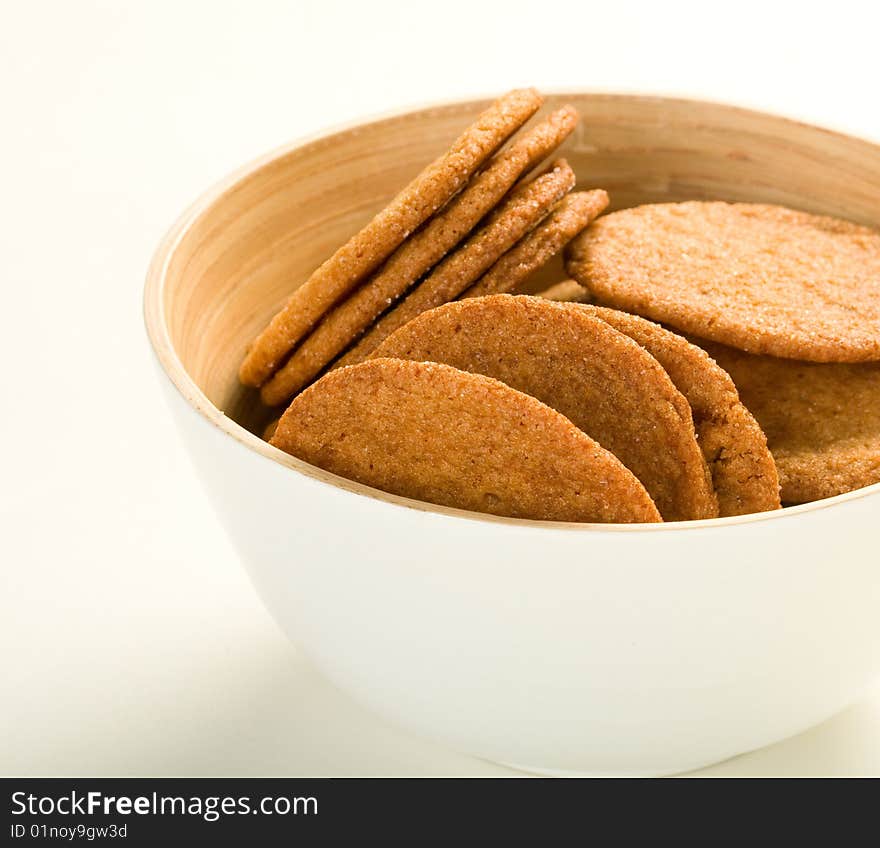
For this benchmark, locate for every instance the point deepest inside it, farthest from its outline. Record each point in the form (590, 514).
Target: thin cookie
(419, 253)
(822, 420)
(573, 214)
(362, 253)
(764, 279)
(743, 471)
(440, 435)
(603, 381)
(528, 204)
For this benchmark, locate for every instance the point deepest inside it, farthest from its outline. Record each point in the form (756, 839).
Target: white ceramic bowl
(558, 648)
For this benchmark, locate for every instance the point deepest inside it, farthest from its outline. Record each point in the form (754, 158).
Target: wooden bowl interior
(261, 237)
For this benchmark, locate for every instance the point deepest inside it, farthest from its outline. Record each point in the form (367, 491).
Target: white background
(132, 643)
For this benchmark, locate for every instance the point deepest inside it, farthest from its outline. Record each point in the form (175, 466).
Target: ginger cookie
(437, 434)
(566, 291)
(743, 471)
(533, 251)
(419, 253)
(527, 206)
(764, 279)
(604, 382)
(361, 254)
(822, 420)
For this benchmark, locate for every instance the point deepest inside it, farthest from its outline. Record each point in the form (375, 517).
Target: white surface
(132, 642)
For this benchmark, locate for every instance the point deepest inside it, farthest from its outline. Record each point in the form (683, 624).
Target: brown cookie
(533, 251)
(600, 379)
(566, 291)
(362, 253)
(526, 207)
(760, 278)
(419, 253)
(743, 472)
(434, 433)
(822, 420)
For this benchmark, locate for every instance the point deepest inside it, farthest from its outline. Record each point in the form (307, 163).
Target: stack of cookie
(786, 302)
(579, 413)
(471, 222)
(762, 378)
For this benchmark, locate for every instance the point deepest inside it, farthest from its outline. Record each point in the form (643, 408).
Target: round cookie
(434, 433)
(363, 252)
(743, 471)
(600, 379)
(345, 322)
(822, 420)
(526, 206)
(764, 279)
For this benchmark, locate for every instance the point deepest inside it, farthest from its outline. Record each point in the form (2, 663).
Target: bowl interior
(240, 251)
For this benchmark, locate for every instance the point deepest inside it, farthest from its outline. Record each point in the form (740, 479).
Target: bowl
(555, 648)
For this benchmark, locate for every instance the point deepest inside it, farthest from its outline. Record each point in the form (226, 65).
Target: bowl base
(538, 771)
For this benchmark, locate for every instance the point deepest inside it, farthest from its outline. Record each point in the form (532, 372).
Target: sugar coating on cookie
(822, 420)
(418, 254)
(437, 434)
(743, 471)
(761, 278)
(536, 249)
(526, 206)
(363, 252)
(603, 381)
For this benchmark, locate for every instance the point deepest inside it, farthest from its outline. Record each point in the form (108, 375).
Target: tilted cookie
(761, 278)
(419, 253)
(603, 381)
(437, 434)
(743, 471)
(536, 249)
(361, 254)
(526, 207)
(822, 420)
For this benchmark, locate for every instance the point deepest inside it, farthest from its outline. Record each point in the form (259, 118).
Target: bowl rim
(167, 358)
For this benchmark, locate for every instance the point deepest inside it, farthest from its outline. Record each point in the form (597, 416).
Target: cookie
(527, 205)
(603, 381)
(533, 251)
(361, 254)
(566, 291)
(419, 253)
(822, 420)
(764, 279)
(437, 434)
(743, 471)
